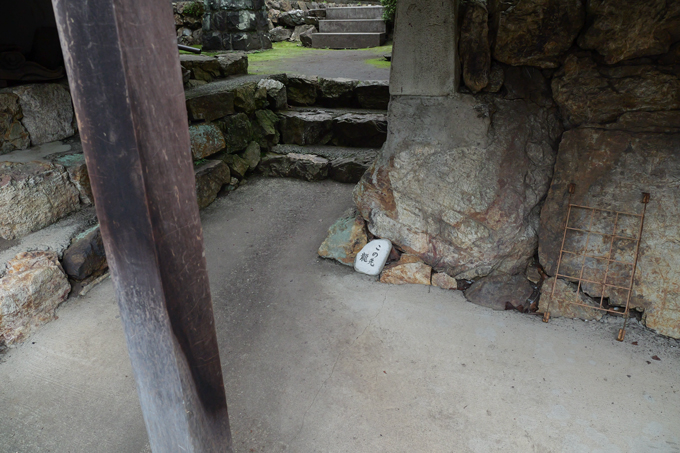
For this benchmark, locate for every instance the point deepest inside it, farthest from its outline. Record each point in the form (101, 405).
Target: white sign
(372, 258)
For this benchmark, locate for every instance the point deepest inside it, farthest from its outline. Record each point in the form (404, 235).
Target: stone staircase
(351, 28)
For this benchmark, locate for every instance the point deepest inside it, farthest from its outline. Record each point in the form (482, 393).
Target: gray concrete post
(424, 59)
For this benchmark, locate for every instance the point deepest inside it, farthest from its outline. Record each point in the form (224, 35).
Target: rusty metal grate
(607, 282)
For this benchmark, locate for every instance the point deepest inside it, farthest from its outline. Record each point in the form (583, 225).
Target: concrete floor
(319, 359)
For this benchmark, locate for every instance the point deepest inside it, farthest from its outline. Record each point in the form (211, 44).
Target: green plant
(194, 9)
(389, 9)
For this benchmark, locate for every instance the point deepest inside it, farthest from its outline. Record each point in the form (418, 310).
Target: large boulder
(475, 53)
(13, 134)
(47, 111)
(206, 140)
(621, 30)
(30, 291)
(292, 18)
(611, 169)
(588, 92)
(465, 199)
(279, 34)
(535, 32)
(34, 195)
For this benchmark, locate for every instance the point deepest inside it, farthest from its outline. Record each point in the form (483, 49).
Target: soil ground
(319, 358)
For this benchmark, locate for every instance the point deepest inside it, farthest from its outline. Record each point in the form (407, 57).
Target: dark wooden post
(124, 73)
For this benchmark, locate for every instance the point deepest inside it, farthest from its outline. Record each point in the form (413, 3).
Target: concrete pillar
(424, 59)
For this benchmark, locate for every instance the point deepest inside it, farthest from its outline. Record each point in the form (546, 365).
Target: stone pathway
(319, 358)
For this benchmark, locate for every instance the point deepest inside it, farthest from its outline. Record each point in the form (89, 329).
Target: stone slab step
(353, 26)
(355, 12)
(348, 40)
(328, 152)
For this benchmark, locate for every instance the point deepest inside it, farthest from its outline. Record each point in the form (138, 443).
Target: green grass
(379, 63)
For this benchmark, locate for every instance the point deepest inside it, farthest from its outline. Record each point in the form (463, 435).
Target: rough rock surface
(302, 90)
(408, 270)
(621, 30)
(587, 92)
(209, 106)
(251, 155)
(238, 166)
(350, 169)
(466, 199)
(337, 92)
(300, 30)
(201, 67)
(306, 36)
(306, 127)
(250, 97)
(535, 32)
(367, 130)
(233, 63)
(475, 53)
(346, 237)
(611, 169)
(565, 300)
(373, 94)
(74, 163)
(211, 175)
(292, 165)
(13, 134)
(86, 255)
(32, 196)
(238, 131)
(30, 291)
(498, 291)
(206, 140)
(444, 281)
(47, 111)
(265, 129)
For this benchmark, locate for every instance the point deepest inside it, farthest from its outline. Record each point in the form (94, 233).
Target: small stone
(302, 90)
(211, 175)
(251, 155)
(346, 237)
(278, 34)
(533, 273)
(238, 166)
(444, 281)
(372, 258)
(292, 165)
(30, 291)
(408, 270)
(565, 300)
(499, 290)
(306, 36)
(299, 30)
(233, 63)
(86, 255)
(206, 140)
(496, 78)
(276, 93)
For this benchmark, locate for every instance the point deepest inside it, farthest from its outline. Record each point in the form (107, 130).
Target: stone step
(353, 26)
(355, 12)
(348, 40)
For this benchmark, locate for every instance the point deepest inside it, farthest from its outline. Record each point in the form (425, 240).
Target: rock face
(475, 52)
(74, 163)
(408, 270)
(337, 92)
(465, 199)
(235, 25)
(292, 165)
(47, 111)
(276, 93)
(237, 131)
(611, 169)
(13, 135)
(373, 94)
(565, 300)
(279, 34)
(535, 32)
(621, 30)
(30, 291)
(360, 130)
(443, 281)
(211, 175)
(302, 90)
(32, 196)
(500, 292)
(265, 129)
(85, 256)
(587, 92)
(306, 127)
(206, 140)
(346, 237)
(233, 63)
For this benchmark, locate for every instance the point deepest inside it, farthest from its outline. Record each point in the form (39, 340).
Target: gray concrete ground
(350, 64)
(317, 358)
